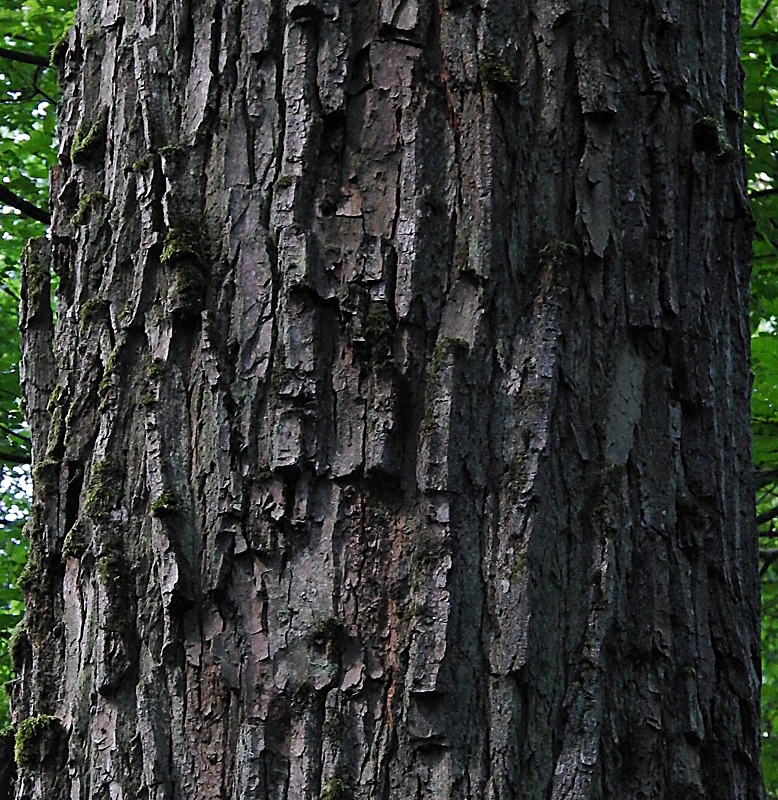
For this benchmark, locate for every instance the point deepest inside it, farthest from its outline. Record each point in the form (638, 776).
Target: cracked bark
(397, 444)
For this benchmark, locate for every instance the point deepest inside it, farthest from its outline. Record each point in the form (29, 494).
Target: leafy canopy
(760, 60)
(27, 150)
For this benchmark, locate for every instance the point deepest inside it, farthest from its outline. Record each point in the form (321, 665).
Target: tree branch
(25, 58)
(11, 432)
(7, 523)
(14, 458)
(7, 197)
(765, 477)
(761, 12)
(9, 291)
(762, 192)
(768, 557)
(768, 516)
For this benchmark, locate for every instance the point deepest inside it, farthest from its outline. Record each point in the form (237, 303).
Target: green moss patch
(18, 646)
(379, 334)
(448, 347)
(92, 308)
(496, 72)
(32, 574)
(155, 369)
(87, 204)
(165, 505)
(34, 737)
(336, 789)
(76, 541)
(185, 242)
(559, 251)
(326, 630)
(89, 140)
(709, 137)
(103, 492)
(186, 250)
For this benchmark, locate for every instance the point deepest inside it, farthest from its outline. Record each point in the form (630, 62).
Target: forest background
(32, 31)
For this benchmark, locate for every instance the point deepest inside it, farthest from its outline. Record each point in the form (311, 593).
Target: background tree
(27, 139)
(457, 429)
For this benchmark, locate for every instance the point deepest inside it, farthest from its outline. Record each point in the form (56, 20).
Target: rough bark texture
(398, 444)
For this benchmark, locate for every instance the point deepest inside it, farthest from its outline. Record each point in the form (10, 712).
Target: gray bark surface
(393, 438)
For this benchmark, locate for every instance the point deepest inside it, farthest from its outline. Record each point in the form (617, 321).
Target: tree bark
(399, 445)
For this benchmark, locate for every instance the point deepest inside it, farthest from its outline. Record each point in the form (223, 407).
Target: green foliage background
(760, 61)
(27, 150)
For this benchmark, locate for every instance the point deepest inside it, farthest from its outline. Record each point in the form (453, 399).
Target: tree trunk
(398, 445)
